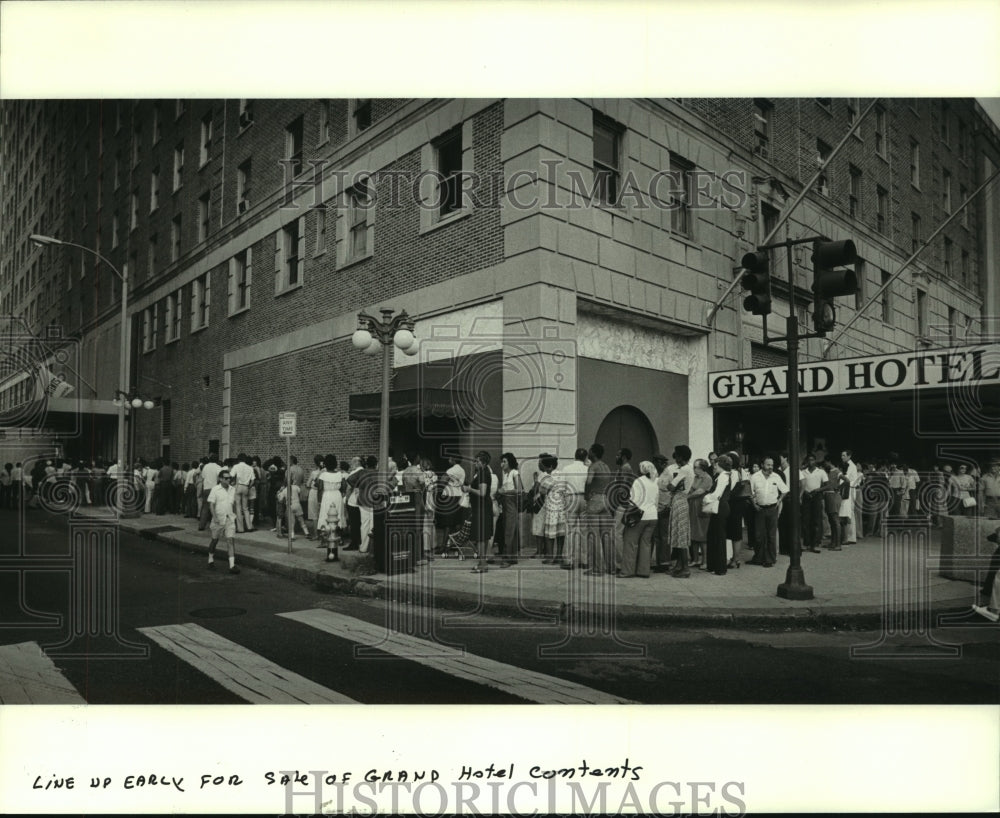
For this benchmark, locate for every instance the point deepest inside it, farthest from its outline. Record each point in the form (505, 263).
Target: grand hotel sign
(916, 370)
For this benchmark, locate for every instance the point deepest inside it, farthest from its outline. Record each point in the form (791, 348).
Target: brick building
(560, 258)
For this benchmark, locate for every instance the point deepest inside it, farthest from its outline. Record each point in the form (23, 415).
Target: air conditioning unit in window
(246, 118)
(242, 205)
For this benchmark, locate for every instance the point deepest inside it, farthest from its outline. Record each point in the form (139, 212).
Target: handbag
(631, 516)
(536, 501)
(709, 506)
(968, 502)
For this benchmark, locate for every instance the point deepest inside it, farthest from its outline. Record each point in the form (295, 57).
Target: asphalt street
(211, 637)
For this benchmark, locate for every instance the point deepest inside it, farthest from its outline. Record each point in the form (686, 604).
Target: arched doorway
(627, 427)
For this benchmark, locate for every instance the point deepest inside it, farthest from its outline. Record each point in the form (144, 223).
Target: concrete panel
(577, 243)
(614, 256)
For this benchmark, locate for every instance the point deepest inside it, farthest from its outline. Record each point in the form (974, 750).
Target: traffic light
(830, 283)
(757, 281)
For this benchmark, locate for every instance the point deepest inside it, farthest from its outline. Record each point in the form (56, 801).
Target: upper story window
(133, 219)
(860, 274)
(915, 163)
(240, 270)
(882, 214)
(448, 155)
(607, 160)
(359, 204)
(948, 257)
(293, 145)
(149, 320)
(206, 139)
(154, 188)
(324, 122)
(855, 200)
(921, 313)
(175, 238)
(289, 255)
(946, 191)
(173, 317)
(204, 215)
(914, 232)
(682, 198)
(151, 257)
(886, 299)
(763, 115)
(880, 131)
(822, 157)
(246, 113)
(178, 165)
(361, 115)
(243, 180)
(201, 301)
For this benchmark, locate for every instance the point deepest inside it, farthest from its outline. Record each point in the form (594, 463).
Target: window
(824, 102)
(855, 197)
(914, 232)
(324, 122)
(853, 107)
(945, 123)
(165, 424)
(763, 113)
(946, 191)
(201, 300)
(859, 273)
(963, 142)
(206, 140)
(921, 313)
(149, 317)
(362, 115)
(448, 156)
(243, 179)
(118, 169)
(822, 157)
(157, 123)
(966, 269)
(357, 239)
(915, 163)
(681, 172)
(204, 216)
(288, 256)
(886, 299)
(175, 238)
(136, 145)
(607, 160)
(178, 165)
(293, 146)
(239, 281)
(154, 189)
(246, 113)
(173, 329)
(114, 230)
(963, 194)
(133, 219)
(880, 131)
(947, 257)
(882, 200)
(151, 257)
(320, 230)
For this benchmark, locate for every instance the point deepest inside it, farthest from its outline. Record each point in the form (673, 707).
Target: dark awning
(405, 403)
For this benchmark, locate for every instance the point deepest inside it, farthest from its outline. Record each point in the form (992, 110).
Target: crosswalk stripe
(241, 671)
(520, 682)
(28, 676)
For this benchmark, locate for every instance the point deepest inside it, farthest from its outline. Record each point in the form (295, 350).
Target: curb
(538, 610)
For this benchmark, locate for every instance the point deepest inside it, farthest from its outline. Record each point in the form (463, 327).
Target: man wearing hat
(222, 502)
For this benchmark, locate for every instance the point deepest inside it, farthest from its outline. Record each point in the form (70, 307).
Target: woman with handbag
(700, 486)
(312, 498)
(716, 504)
(963, 489)
(679, 535)
(510, 492)
(740, 507)
(553, 513)
(481, 504)
(640, 520)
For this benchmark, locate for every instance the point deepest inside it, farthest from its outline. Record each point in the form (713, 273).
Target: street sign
(286, 424)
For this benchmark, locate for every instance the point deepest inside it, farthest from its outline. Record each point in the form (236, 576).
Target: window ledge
(170, 341)
(289, 289)
(240, 311)
(356, 260)
(451, 218)
(320, 254)
(198, 329)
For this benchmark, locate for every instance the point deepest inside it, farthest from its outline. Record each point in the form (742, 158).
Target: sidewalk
(848, 585)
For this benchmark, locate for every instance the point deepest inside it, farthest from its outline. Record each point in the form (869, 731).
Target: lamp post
(132, 401)
(123, 363)
(373, 335)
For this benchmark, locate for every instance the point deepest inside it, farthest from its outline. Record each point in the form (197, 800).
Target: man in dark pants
(768, 490)
(353, 510)
(812, 481)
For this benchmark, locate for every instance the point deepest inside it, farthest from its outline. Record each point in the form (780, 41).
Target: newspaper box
(397, 536)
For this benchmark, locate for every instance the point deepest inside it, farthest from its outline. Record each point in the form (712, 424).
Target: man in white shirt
(909, 505)
(221, 502)
(242, 476)
(853, 475)
(209, 479)
(767, 490)
(575, 481)
(812, 481)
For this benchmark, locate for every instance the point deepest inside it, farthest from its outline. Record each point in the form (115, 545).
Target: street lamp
(371, 337)
(48, 241)
(132, 402)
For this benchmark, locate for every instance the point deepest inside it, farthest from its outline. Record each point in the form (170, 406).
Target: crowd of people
(666, 514)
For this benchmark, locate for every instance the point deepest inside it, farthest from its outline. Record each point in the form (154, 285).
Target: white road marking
(28, 676)
(526, 684)
(245, 673)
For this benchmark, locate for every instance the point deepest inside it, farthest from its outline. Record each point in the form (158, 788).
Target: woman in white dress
(312, 504)
(331, 517)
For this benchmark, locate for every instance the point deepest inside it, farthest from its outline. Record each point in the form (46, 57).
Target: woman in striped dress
(679, 536)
